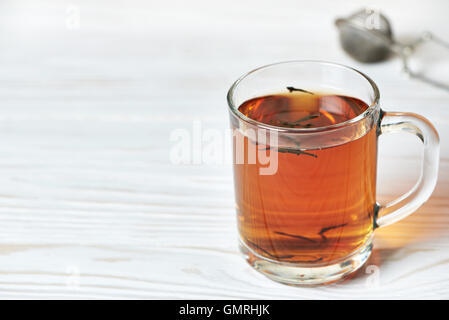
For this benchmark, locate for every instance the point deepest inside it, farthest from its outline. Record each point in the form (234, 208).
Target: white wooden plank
(92, 207)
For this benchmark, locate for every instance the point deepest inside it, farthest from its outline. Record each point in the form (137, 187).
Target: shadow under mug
(305, 197)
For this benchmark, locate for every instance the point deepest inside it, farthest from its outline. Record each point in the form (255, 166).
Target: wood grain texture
(92, 207)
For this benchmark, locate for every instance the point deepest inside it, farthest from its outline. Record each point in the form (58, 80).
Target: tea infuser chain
(405, 51)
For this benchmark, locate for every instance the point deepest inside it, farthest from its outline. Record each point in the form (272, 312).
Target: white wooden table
(91, 91)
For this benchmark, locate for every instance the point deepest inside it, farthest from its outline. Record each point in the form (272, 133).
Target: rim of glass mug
(373, 105)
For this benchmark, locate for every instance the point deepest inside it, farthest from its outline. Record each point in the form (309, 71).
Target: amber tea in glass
(319, 205)
(310, 218)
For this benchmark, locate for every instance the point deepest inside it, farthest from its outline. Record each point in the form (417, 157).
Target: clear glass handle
(413, 199)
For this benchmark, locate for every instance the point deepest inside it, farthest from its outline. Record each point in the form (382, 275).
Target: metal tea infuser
(367, 36)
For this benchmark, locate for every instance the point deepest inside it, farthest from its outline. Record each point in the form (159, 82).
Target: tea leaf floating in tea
(289, 150)
(325, 229)
(294, 236)
(309, 117)
(297, 123)
(269, 253)
(291, 89)
(296, 151)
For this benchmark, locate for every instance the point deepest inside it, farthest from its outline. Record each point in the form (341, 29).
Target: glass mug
(305, 197)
